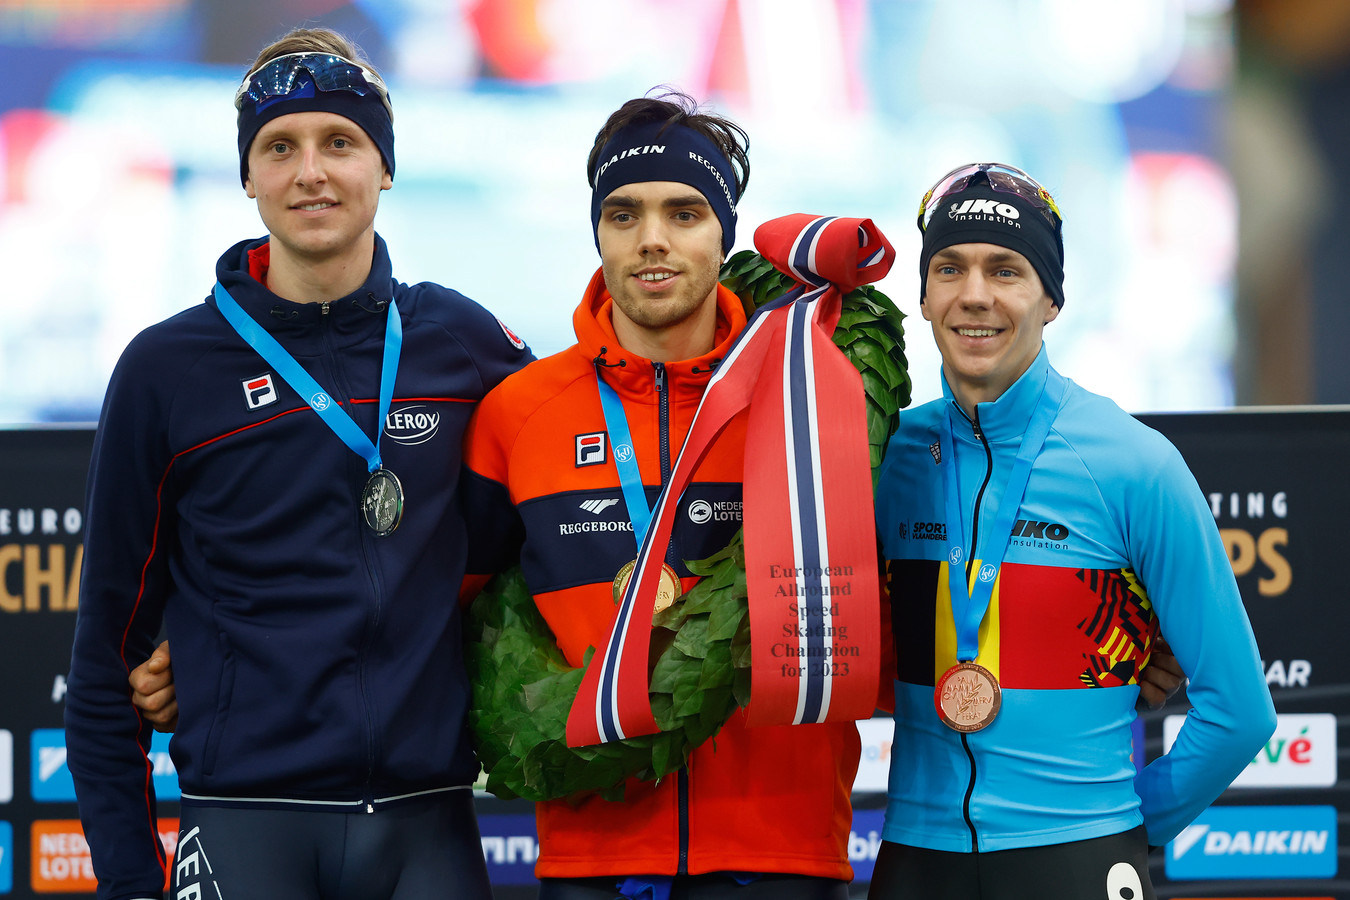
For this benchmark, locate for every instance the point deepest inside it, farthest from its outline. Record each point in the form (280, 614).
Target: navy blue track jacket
(316, 664)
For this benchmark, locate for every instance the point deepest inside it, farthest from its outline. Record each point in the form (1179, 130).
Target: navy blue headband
(655, 151)
(366, 111)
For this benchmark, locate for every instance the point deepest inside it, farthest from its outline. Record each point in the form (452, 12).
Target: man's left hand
(1162, 677)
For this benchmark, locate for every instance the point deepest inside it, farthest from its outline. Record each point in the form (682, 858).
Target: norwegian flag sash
(809, 543)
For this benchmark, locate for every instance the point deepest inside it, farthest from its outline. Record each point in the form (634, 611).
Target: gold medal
(667, 585)
(967, 697)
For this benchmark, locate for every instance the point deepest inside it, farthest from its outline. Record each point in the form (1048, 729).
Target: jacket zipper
(367, 790)
(682, 776)
(970, 564)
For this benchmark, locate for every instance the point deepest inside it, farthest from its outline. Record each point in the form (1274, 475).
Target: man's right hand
(152, 690)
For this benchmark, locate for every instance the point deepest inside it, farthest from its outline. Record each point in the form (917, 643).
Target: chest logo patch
(259, 391)
(591, 449)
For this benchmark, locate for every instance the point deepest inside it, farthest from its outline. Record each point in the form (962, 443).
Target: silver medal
(382, 502)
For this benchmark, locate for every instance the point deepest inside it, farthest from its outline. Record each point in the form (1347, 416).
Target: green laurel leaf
(522, 686)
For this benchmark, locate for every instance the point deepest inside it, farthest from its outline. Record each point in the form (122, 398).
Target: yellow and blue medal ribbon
(969, 606)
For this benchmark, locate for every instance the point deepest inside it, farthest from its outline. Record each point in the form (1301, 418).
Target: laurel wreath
(523, 687)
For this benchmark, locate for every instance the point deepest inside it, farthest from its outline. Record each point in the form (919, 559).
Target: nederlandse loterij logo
(700, 511)
(1256, 842)
(410, 425)
(259, 390)
(591, 449)
(596, 507)
(1301, 753)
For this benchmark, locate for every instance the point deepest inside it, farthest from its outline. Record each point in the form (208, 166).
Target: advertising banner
(1277, 488)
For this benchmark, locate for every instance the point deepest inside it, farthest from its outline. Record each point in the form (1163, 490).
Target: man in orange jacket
(759, 812)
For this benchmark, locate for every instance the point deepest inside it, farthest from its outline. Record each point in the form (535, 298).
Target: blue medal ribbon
(630, 477)
(969, 606)
(332, 413)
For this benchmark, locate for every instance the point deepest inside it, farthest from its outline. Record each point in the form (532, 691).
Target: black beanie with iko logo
(981, 215)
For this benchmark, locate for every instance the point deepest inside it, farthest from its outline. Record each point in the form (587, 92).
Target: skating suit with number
(542, 479)
(316, 664)
(1112, 540)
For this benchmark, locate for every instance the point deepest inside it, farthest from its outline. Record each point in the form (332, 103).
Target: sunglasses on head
(328, 72)
(1004, 178)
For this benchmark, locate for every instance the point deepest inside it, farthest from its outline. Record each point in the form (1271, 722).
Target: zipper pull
(660, 376)
(323, 307)
(370, 807)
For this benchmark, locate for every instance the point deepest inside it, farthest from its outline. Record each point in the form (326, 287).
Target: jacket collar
(1006, 418)
(635, 376)
(350, 319)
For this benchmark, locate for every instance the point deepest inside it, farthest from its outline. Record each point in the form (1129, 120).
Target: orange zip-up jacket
(542, 479)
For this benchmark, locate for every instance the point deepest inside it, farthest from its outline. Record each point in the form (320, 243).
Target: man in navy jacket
(274, 481)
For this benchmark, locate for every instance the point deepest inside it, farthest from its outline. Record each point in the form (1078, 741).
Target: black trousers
(426, 848)
(1106, 868)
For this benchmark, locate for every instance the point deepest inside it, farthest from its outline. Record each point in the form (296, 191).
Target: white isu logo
(412, 425)
(596, 507)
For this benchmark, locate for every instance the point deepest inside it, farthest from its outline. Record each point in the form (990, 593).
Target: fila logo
(596, 507)
(985, 209)
(259, 391)
(591, 449)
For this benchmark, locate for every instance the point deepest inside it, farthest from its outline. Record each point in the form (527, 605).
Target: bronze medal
(382, 502)
(967, 697)
(667, 585)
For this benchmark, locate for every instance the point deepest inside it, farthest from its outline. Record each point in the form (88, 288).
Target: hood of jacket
(635, 375)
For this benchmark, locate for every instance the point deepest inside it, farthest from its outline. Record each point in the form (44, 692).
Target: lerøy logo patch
(591, 449)
(259, 390)
(411, 425)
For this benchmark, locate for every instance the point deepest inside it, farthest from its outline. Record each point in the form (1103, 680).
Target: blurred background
(1193, 146)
